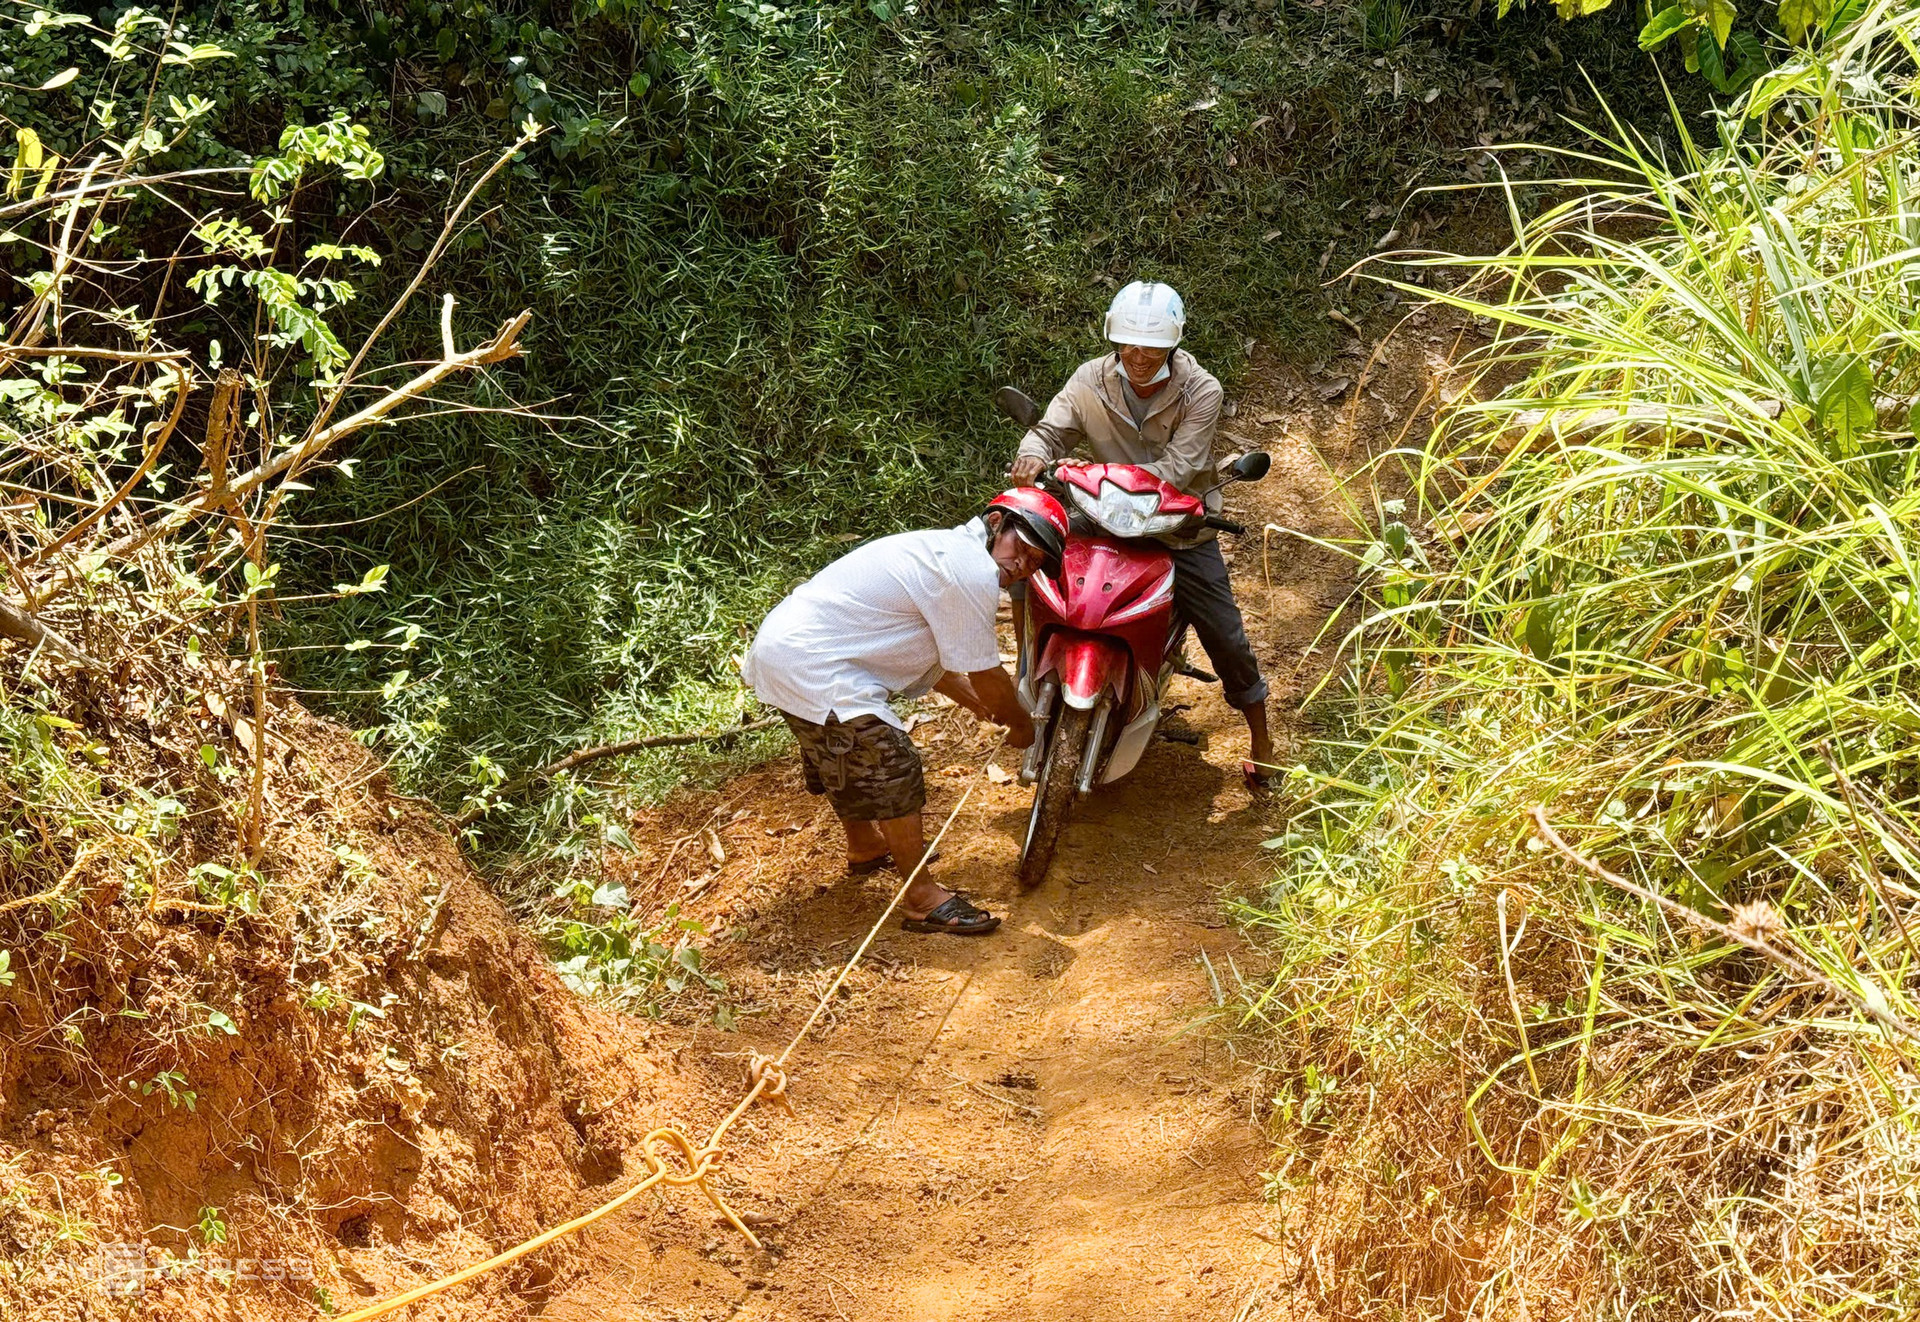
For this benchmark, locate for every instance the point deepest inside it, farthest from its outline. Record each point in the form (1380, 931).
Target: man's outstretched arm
(991, 695)
(996, 692)
(960, 689)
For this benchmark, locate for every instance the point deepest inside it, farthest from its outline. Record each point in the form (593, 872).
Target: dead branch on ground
(585, 755)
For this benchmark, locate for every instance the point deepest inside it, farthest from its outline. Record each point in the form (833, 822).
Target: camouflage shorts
(869, 770)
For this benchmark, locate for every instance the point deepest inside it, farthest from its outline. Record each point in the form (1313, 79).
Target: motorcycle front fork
(1040, 705)
(1042, 714)
(1042, 710)
(1090, 757)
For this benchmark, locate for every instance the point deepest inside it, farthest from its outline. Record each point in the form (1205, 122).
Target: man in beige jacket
(1149, 403)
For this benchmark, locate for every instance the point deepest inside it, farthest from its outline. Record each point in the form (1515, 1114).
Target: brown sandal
(953, 916)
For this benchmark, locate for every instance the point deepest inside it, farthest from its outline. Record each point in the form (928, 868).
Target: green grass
(1695, 642)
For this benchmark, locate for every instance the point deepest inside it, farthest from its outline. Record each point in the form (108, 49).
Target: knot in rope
(699, 1160)
(767, 1081)
(699, 1166)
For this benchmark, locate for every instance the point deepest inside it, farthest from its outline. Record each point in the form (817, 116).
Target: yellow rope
(768, 1078)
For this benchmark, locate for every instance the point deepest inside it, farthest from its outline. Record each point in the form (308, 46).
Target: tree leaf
(1843, 396)
(1718, 15)
(1710, 64)
(60, 79)
(1539, 631)
(1799, 15)
(1662, 26)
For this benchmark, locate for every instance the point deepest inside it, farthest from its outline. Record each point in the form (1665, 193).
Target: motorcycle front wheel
(1053, 793)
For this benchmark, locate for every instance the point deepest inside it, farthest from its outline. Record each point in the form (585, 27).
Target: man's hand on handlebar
(1026, 470)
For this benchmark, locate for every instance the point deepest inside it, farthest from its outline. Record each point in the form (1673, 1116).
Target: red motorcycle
(1102, 641)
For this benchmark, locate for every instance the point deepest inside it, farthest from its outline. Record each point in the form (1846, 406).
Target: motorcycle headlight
(1126, 513)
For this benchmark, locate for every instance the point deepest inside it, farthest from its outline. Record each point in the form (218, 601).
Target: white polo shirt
(884, 620)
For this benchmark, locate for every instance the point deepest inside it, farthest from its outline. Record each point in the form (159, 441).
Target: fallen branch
(504, 345)
(107, 185)
(30, 327)
(1792, 964)
(181, 385)
(447, 230)
(585, 755)
(21, 626)
(322, 432)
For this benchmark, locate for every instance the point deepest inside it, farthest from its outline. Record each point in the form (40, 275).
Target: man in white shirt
(898, 617)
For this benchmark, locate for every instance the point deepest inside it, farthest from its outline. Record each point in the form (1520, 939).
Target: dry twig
(1799, 968)
(585, 755)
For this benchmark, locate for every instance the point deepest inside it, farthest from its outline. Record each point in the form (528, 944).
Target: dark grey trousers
(1203, 598)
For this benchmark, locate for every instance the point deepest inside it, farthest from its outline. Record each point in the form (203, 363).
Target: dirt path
(1039, 1125)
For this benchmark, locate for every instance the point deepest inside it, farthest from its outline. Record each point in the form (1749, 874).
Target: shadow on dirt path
(1041, 1124)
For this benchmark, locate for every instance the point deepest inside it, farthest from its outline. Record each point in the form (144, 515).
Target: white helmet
(1147, 313)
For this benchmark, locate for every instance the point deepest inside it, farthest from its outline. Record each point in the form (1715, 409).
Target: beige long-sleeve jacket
(1174, 443)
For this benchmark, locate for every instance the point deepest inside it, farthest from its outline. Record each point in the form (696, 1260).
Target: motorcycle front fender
(1087, 664)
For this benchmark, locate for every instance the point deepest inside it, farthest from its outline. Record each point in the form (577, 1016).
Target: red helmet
(1038, 518)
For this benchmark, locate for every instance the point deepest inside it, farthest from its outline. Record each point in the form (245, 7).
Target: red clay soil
(345, 1152)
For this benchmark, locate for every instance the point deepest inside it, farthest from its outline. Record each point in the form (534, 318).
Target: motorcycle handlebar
(1048, 480)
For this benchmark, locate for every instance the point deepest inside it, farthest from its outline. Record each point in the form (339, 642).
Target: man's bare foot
(1259, 767)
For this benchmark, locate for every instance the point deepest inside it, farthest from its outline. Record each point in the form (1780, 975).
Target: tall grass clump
(1671, 596)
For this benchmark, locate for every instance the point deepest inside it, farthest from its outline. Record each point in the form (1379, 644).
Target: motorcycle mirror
(1016, 405)
(1252, 466)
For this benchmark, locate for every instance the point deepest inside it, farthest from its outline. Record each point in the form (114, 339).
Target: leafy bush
(602, 949)
(1670, 596)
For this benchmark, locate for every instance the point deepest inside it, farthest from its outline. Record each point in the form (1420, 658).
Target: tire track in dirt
(1039, 1124)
